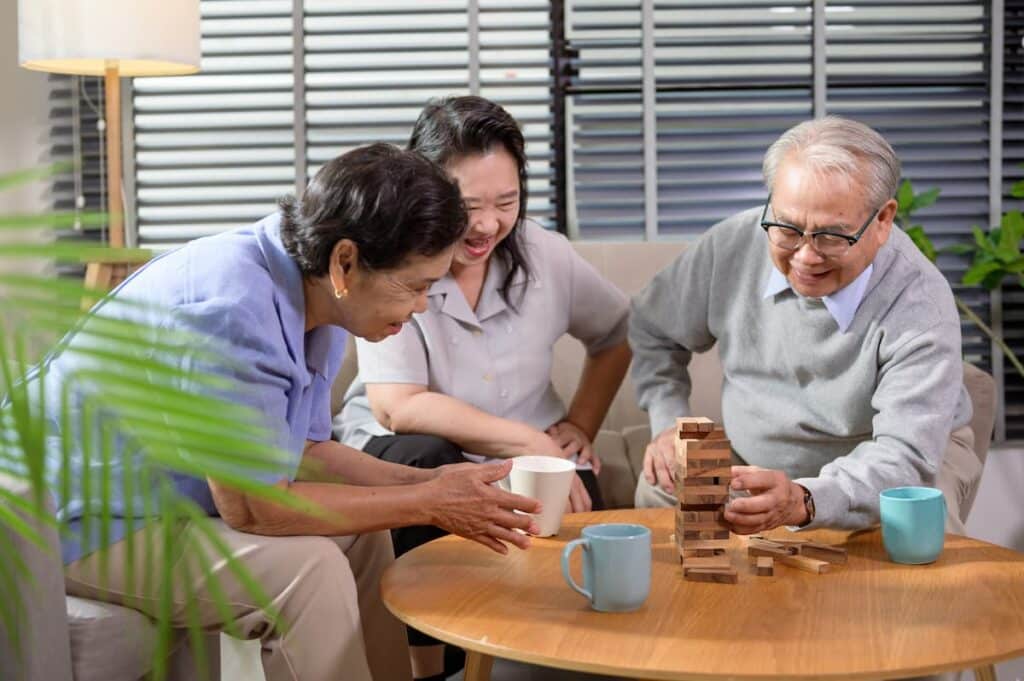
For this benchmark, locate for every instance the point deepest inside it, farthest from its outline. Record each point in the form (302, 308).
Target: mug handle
(566, 552)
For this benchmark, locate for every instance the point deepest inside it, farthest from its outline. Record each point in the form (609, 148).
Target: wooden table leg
(478, 666)
(986, 673)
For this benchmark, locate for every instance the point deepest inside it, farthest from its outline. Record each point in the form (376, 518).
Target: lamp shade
(85, 37)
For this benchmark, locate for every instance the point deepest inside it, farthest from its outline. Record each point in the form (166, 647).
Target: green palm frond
(161, 396)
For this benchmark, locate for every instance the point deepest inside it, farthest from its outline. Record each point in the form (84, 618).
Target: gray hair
(835, 145)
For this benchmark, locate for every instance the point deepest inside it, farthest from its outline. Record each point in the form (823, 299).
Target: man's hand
(660, 460)
(572, 440)
(579, 498)
(465, 503)
(775, 500)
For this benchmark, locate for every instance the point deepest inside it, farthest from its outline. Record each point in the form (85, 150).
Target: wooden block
(765, 566)
(704, 526)
(804, 563)
(785, 541)
(690, 499)
(713, 490)
(699, 516)
(687, 554)
(698, 544)
(719, 561)
(695, 424)
(697, 535)
(769, 544)
(712, 575)
(698, 472)
(681, 468)
(754, 550)
(716, 434)
(831, 554)
(690, 506)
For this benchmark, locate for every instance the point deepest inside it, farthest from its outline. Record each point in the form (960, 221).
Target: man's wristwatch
(808, 506)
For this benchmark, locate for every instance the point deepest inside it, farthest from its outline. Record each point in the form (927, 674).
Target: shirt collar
(312, 352)
(842, 304)
(491, 301)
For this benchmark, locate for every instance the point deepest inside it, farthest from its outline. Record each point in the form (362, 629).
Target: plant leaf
(977, 272)
(905, 197)
(923, 243)
(926, 198)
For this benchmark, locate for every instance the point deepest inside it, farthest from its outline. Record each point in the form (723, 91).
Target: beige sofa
(625, 432)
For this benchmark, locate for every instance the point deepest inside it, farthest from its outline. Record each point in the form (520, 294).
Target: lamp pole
(112, 131)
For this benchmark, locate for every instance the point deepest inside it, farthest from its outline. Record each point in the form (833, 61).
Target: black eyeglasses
(827, 244)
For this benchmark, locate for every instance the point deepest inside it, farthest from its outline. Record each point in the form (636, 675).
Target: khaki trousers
(959, 477)
(326, 589)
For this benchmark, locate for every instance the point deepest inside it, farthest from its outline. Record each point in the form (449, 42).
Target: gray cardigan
(846, 414)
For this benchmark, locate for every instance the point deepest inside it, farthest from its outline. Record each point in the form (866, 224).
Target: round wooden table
(868, 619)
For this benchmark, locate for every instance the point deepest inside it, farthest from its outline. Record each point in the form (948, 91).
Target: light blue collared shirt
(842, 304)
(243, 294)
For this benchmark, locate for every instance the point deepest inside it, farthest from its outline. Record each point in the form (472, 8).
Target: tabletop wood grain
(868, 619)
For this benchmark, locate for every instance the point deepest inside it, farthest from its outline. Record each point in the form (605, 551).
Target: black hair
(390, 202)
(458, 126)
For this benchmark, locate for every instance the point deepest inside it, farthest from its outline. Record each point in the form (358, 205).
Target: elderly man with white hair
(839, 342)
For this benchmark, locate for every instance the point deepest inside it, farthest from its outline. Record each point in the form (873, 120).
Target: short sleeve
(401, 358)
(254, 365)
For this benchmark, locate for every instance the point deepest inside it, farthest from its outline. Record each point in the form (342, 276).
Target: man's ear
(886, 217)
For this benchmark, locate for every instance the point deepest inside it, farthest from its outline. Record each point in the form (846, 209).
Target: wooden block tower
(703, 474)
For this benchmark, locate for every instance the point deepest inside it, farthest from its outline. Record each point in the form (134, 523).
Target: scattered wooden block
(765, 566)
(774, 546)
(712, 575)
(785, 541)
(755, 550)
(826, 552)
(804, 563)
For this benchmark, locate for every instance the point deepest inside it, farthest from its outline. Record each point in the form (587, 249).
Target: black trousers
(430, 451)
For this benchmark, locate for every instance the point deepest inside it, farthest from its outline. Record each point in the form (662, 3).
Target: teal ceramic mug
(913, 524)
(616, 566)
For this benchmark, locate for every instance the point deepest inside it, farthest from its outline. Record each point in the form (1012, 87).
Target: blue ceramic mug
(616, 566)
(913, 524)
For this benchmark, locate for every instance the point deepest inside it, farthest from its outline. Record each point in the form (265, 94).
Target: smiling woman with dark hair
(357, 253)
(472, 372)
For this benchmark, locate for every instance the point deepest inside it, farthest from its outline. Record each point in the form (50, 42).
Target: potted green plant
(177, 417)
(995, 255)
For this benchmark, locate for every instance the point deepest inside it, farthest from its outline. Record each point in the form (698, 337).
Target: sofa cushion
(617, 479)
(108, 642)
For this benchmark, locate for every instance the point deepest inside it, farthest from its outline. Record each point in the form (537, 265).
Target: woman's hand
(573, 440)
(464, 502)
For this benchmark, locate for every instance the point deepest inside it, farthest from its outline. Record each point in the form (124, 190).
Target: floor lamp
(113, 39)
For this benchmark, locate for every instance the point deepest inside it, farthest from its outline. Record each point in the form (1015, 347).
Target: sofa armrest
(616, 479)
(45, 647)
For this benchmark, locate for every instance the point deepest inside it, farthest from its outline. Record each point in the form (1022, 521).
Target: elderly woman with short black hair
(358, 254)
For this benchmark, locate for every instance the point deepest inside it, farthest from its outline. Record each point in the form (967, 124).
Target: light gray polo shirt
(495, 358)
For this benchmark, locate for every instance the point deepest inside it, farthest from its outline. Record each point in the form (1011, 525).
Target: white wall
(998, 517)
(23, 117)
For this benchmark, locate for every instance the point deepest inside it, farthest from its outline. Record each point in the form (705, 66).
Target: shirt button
(504, 393)
(455, 341)
(508, 329)
(477, 332)
(488, 377)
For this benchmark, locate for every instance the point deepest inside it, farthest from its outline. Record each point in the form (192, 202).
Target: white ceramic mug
(546, 479)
